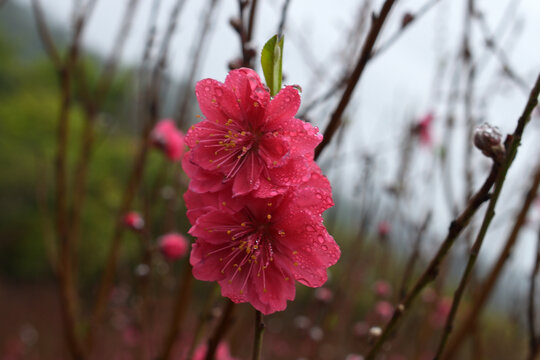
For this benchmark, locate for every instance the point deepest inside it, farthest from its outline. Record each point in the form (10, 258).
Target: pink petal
(282, 107)
(248, 177)
(206, 91)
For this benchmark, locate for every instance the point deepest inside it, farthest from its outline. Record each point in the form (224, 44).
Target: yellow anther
(224, 203)
(269, 204)
(264, 290)
(228, 232)
(295, 264)
(243, 224)
(268, 216)
(295, 252)
(256, 104)
(243, 133)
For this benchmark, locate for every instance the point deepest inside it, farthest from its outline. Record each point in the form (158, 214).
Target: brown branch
(431, 272)
(195, 56)
(501, 56)
(220, 330)
(258, 335)
(91, 106)
(283, 18)
(489, 284)
(135, 178)
(181, 303)
(408, 20)
(251, 21)
(335, 119)
(415, 254)
(512, 145)
(45, 35)
(64, 67)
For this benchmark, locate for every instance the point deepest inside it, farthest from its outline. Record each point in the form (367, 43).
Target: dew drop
(219, 92)
(318, 196)
(324, 247)
(287, 99)
(320, 239)
(207, 89)
(310, 228)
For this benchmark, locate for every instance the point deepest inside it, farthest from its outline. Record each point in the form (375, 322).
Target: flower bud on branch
(488, 138)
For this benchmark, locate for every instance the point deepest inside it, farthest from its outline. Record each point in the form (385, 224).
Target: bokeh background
(402, 166)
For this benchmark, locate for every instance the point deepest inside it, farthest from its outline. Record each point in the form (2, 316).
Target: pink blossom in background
(248, 140)
(424, 129)
(324, 294)
(173, 246)
(382, 288)
(354, 357)
(441, 312)
(256, 248)
(222, 352)
(134, 221)
(166, 137)
(384, 228)
(361, 329)
(384, 309)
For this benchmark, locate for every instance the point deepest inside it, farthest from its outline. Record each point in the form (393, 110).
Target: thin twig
(405, 25)
(66, 272)
(258, 335)
(181, 303)
(489, 284)
(137, 171)
(91, 106)
(204, 317)
(335, 120)
(512, 145)
(195, 59)
(415, 254)
(431, 272)
(220, 330)
(45, 35)
(283, 18)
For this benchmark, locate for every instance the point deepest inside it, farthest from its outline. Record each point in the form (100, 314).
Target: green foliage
(272, 61)
(29, 106)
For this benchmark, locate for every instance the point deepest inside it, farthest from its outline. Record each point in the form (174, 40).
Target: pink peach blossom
(382, 288)
(255, 248)
(247, 139)
(384, 228)
(384, 309)
(173, 246)
(222, 352)
(424, 129)
(166, 137)
(134, 221)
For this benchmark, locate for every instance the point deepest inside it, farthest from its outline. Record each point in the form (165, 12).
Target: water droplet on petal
(219, 92)
(320, 239)
(324, 247)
